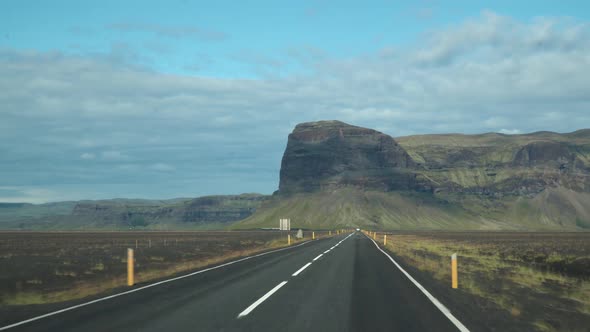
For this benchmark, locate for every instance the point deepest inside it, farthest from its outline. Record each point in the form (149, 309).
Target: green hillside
(501, 162)
(348, 207)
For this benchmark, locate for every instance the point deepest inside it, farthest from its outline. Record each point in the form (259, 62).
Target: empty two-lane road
(339, 284)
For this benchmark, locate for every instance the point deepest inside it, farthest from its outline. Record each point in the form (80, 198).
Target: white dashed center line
(301, 269)
(277, 287)
(260, 300)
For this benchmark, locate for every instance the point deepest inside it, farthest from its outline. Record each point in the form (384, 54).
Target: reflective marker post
(454, 271)
(130, 271)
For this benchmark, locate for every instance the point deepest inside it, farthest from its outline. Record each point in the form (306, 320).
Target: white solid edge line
(320, 255)
(144, 287)
(301, 269)
(260, 300)
(432, 299)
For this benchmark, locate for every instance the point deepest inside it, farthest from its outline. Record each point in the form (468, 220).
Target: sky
(163, 99)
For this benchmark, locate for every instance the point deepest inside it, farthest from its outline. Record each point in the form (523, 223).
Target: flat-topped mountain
(337, 175)
(327, 155)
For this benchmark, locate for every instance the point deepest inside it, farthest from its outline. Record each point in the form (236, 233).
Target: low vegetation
(353, 207)
(541, 279)
(49, 267)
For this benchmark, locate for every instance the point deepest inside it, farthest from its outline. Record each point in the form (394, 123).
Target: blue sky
(187, 98)
(240, 39)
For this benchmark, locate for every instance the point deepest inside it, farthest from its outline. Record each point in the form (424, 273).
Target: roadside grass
(72, 285)
(525, 283)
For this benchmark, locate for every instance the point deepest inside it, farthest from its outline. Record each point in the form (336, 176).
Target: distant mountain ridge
(449, 181)
(117, 214)
(337, 175)
(503, 164)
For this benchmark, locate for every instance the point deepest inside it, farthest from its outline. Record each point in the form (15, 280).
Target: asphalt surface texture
(352, 286)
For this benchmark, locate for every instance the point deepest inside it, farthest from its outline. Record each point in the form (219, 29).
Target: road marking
(260, 300)
(277, 287)
(327, 251)
(432, 299)
(144, 287)
(301, 269)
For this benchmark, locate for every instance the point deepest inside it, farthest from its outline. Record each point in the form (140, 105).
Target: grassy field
(49, 267)
(352, 208)
(554, 209)
(541, 279)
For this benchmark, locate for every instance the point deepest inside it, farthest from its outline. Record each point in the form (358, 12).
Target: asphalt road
(352, 287)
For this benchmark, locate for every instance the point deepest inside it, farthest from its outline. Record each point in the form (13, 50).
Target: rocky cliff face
(221, 209)
(496, 164)
(327, 155)
(140, 213)
(338, 175)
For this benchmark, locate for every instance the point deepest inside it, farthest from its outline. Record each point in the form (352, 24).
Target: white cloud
(87, 156)
(86, 143)
(162, 167)
(495, 122)
(113, 155)
(129, 167)
(510, 131)
(488, 73)
(34, 195)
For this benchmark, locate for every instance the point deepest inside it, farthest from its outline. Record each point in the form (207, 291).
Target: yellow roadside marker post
(385, 239)
(330, 233)
(289, 239)
(130, 271)
(454, 271)
(313, 235)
